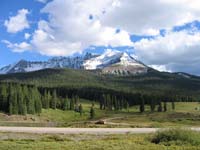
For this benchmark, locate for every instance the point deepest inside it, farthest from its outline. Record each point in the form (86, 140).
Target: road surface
(46, 130)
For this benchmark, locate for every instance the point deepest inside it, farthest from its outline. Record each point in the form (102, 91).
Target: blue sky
(9, 8)
(165, 35)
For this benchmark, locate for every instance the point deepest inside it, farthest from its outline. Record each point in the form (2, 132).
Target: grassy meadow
(166, 140)
(184, 115)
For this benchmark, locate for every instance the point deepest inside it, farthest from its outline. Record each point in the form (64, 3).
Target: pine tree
(71, 104)
(92, 113)
(54, 100)
(101, 103)
(142, 107)
(127, 106)
(80, 109)
(14, 103)
(115, 104)
(38, 104)
(104, 102)
(26, 99)
(65, 104)
(160, 107)
(173, 105)
(165, 106)
(10, 99)
(20, 100)
(3, 97)
(48, 99)
(152, 105)
(31, 101)
(110, 103)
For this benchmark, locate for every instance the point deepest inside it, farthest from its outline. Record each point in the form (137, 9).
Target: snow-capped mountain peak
(107, 58)
(111, 62)
(110, 58)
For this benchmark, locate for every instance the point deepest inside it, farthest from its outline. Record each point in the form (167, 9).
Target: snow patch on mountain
(107, 58)
(114, 62)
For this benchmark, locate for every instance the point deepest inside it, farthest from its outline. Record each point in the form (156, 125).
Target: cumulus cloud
(162, 68)
(76, 25)
(73, 27)
(147, 17)
(27, 36)
(18, 47)
(176, 51)
(17, 23)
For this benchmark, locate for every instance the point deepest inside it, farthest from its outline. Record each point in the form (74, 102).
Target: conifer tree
(10, 100)
(100, 104)
(152, 105)
(128, 106)
(159, 107)
(31, 101)
(72, 103)
(80, 109)
(165, 106)
(104, 102)
(45, 100)
(3, 97)
(54, 100)
(76, 99)
(14, 102)
(65, 104)
(37, 99)
(173, 105)
(25, 96)
(92, 112)
(142, 107)
(48, 99)
(115, 104)
(20, 100)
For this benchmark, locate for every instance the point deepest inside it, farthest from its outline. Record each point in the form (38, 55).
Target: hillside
(151, 82)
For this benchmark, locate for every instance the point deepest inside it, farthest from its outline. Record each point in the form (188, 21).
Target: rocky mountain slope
(110, 62)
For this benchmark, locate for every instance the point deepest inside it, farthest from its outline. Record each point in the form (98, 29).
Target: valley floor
(184, 115)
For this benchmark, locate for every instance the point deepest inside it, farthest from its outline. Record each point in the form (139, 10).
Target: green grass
(184, 115)
(177, 137)
(14, 141)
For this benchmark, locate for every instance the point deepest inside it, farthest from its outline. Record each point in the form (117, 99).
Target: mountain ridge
(110, 62)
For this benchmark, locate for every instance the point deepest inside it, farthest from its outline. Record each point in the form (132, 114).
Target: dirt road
(77, 130)
(46, 130)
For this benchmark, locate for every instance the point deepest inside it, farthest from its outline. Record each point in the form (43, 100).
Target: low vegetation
(177, 137)
(187, 140)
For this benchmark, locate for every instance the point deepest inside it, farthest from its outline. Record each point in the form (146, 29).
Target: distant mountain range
(110, 62)
(111, 71)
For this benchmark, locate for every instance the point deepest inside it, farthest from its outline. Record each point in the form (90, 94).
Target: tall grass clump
(176, 137)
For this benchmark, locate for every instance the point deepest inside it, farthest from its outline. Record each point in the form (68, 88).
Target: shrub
(176, 137)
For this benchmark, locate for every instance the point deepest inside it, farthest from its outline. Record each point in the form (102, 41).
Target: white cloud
(42, 1)
(147, 17)
(74, 25)
(27, 36)
(17, 23)
(70, 30)
(160, 68)
(18, 47)
(176, 51)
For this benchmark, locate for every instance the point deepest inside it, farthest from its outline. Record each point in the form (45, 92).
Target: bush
(176, 137)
